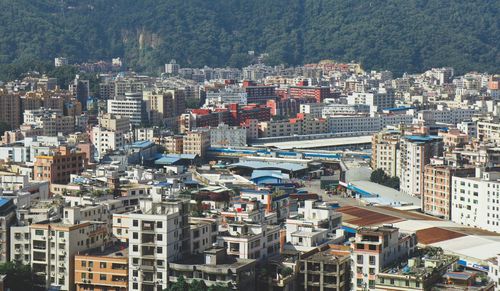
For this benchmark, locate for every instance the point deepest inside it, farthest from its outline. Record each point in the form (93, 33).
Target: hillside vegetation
(398, 35)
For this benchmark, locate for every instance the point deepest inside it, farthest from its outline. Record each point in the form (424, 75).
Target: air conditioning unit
(89, 269)
(63, 240)
(134, 279)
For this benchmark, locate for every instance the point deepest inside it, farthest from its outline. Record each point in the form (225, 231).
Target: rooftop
(116, 251)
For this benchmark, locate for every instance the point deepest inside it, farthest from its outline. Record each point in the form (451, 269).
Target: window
(135, 222)
(159, 237)
(102, 265)
(159, 224)
(372, 260)
(61, 234)
(159, 250)
(91, 264)
(84, 263)
(135, 248)
(102, 277)
(360, 259)
(39, 232)
(135, 235)
(159, 275)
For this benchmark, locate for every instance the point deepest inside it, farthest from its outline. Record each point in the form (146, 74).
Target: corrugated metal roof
(436, 234)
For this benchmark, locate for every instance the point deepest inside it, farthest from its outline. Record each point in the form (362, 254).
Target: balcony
(148, 238)
(148, 251)
(115, 266)
(147, 277)
(148, 226)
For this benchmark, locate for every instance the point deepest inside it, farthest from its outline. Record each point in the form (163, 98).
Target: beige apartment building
(196, 142)
(385, 146)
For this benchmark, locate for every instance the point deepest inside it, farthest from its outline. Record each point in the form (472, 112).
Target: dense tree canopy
(380, 177)
(399, 35)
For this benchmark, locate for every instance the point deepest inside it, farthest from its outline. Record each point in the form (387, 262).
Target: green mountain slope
(399, 35)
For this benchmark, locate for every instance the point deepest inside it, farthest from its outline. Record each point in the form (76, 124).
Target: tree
(180, 285)
(19, 276)
(219, 287)
(286, 271)
(197, 285)
(380, 177)
(192, 103)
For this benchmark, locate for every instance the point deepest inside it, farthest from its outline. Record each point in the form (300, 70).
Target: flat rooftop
(383, 195)
(318, 143)
(114, 251)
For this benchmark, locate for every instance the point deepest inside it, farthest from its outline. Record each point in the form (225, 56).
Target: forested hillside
(399, 35)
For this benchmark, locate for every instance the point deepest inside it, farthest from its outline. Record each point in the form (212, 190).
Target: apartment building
(54, 246)
(163, 104)
(203, 234)
(250, 241)
(226, 136)
(489, 131)
(50, 121)
(156, 237)
(227, 95)
(421, 272)
(57, 167)
(445, 115)
(366, 123)
(317, 93)
(20, 244)
(302, 125)
(436, 197)
(416, 152)
(7, 219)
(113, 122)
(196, 143)
(377, 101)
(345, 109)
(215, 267)
(104, 140)
(173, 144)
(313, 109)
(325, 268)
(313, 226)
(385, 146)
(475, 200)
(102, 269)
(10, 109)
(131, 106)
(374, 249)
(260, 94)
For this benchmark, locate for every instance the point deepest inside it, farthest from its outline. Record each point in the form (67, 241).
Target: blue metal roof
(421, 138)
(267, 173)
(403, 108)
(142, 144)
(3, 201)
(166, 160)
